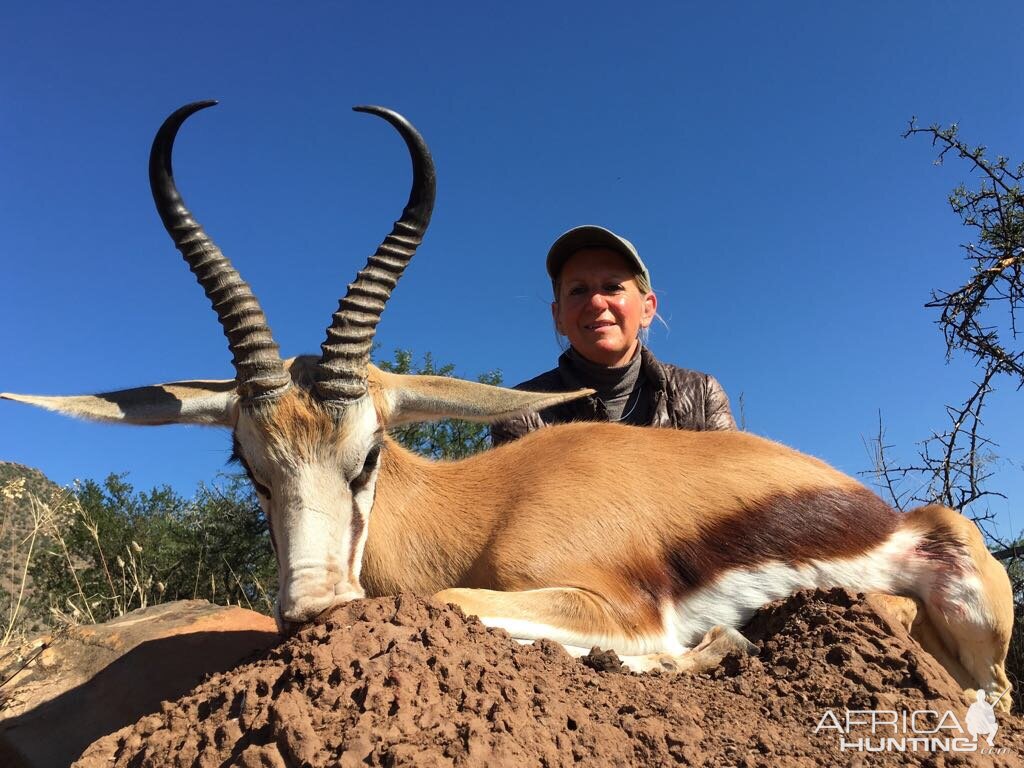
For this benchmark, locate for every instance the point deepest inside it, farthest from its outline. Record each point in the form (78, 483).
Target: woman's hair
(643, 283)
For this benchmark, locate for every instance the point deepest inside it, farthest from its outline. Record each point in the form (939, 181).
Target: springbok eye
(237, 458)
(368, 465)
(260, 488)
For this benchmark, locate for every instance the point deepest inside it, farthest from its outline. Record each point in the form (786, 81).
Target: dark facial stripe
(355, 530)
(237, 458)
(825, 524)
(357, 522)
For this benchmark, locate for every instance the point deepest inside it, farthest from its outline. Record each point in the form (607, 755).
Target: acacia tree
(977, 318)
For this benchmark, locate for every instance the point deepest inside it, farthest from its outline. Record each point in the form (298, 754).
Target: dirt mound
(402, 681)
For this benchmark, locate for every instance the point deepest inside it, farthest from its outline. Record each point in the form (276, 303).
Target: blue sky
(752, 152)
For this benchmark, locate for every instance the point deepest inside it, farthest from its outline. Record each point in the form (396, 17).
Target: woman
(603, 300)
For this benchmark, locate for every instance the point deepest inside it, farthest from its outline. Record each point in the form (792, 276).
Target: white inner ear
(212, 403)
(402, 399)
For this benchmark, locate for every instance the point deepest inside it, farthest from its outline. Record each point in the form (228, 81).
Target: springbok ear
(181, 402)
(429, 398)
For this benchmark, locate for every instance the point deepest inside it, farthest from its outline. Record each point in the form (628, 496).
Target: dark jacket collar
(650, 369)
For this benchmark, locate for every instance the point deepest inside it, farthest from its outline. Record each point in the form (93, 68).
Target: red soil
(403, 681)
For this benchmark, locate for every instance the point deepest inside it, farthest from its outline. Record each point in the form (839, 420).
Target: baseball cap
(592, 236)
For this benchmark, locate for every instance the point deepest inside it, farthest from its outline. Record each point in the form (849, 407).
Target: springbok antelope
(539, 537)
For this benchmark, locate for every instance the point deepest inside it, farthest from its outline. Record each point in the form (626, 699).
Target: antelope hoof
(726, 640)
(668, 664)
(718, 643)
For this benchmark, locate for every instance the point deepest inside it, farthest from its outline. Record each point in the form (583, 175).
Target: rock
(98, 678)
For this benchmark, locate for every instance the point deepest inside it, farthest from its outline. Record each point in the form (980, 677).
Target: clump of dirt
(403, 681)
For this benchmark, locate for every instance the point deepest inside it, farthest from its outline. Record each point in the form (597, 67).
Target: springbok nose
(303, 609)
(310, 591)
(344, 593)
(307, 591)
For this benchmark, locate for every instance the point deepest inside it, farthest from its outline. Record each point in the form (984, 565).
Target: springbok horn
(256, 357)
(341, 372)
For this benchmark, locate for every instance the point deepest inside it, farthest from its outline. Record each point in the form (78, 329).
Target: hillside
(26, 495)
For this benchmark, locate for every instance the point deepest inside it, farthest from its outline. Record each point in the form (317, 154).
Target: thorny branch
(956, 464)
(953, 465)
(996, 212)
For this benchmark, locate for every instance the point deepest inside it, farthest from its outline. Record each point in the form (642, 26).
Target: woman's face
(600, 308)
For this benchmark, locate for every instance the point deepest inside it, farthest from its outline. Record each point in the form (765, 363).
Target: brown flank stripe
(820, 524)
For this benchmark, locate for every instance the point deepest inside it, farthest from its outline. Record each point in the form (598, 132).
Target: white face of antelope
(315, 475)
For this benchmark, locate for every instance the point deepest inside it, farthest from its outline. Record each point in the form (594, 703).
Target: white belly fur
(733, 597)
(894, 567)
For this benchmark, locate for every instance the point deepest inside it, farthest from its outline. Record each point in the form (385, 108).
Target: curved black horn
(257, 359)
(341, 372)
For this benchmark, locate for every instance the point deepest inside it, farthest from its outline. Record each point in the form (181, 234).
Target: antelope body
(654, 543)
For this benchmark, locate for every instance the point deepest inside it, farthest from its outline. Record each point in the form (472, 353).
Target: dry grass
(34, 523)
(21, 546)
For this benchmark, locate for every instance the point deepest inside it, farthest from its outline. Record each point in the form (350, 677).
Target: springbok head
(309, 431)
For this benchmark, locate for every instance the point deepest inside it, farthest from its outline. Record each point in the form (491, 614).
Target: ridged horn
(257, 359)
(341, 372)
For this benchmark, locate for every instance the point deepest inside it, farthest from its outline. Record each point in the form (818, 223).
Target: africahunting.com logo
(924, 730)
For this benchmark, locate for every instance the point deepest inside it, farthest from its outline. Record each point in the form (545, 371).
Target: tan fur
(301, 423)
(504, 519)
(518, 511)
